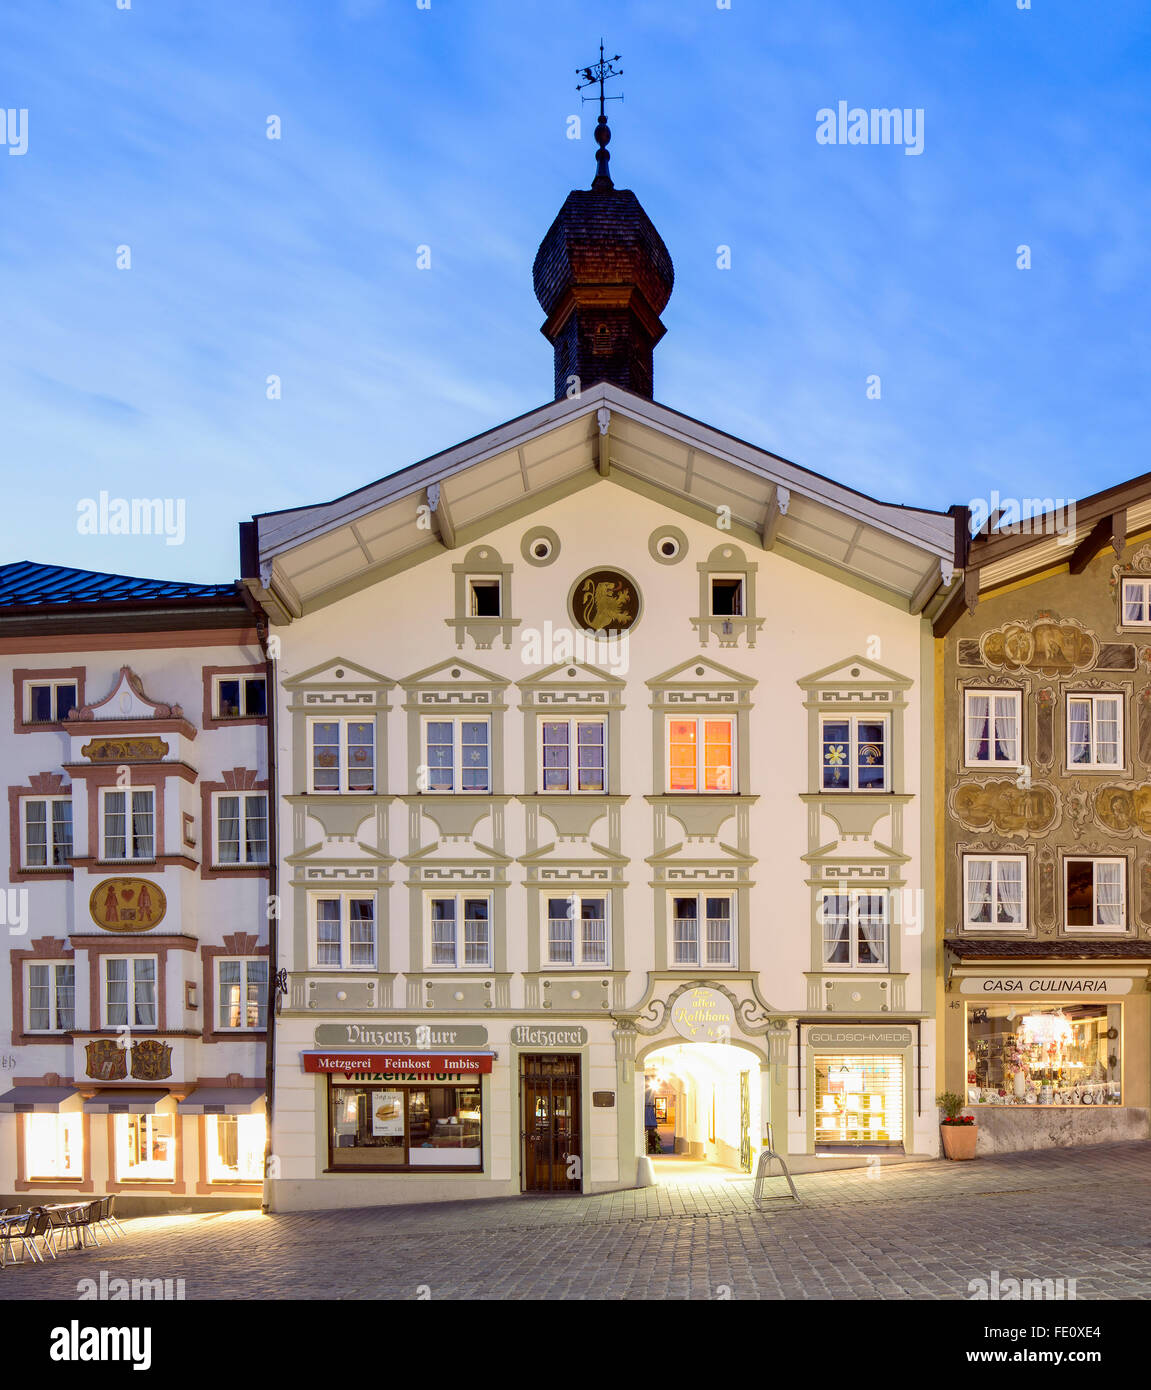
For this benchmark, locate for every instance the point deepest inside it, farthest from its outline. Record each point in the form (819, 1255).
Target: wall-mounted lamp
(191, 994)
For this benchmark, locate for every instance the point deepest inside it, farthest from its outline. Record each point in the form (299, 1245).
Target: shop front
(1049, 1055)
(861, 1086)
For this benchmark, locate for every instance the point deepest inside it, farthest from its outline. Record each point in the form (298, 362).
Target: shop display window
(145, 1147)
(1063, 1054)
(858, 1100)
(54, 1146)
(383, 1125)
(235, 1147)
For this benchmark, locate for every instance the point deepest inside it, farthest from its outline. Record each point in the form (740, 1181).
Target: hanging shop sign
(703, 1015)
(127, 904)
(414, 1066)
(1045, 984)
(421, 1035)
(526, 1035)
(859, 1037)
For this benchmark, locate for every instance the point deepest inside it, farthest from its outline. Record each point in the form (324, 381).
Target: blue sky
(446, 127)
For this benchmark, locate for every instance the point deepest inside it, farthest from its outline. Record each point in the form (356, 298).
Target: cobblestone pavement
(918, 1230)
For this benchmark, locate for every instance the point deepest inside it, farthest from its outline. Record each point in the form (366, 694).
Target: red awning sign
(418, 1063)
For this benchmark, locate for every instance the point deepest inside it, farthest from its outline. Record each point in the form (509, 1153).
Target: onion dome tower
(602, 276)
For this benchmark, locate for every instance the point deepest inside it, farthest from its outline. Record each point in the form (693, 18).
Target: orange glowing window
(700, 755)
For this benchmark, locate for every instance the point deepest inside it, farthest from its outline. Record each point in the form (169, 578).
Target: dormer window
(484, 598)
(727, 596)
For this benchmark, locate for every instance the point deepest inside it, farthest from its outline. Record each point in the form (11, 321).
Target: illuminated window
(236, 1145)
(390, 1127)
(854, 753)
(700, 754)
(54, 1146)
(145, 1147)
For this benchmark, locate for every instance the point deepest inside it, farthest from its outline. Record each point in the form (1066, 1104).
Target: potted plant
(957, 1131)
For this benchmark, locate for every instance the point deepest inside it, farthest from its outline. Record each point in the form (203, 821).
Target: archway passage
(701, 1111)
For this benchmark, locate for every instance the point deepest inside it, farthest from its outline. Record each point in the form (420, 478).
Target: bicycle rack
(762, 1174)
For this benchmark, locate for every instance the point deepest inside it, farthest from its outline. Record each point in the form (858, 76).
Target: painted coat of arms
(151, 1060)
(106, 1060)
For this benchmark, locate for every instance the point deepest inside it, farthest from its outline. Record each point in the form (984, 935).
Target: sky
(163, 259)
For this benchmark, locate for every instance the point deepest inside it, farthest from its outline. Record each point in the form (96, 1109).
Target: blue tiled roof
(24, 584)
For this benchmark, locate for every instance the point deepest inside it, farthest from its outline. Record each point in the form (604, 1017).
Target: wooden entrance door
(550, 1128)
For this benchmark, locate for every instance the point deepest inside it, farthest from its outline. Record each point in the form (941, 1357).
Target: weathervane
(592, 74)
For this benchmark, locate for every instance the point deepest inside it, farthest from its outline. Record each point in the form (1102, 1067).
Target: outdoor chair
(78, 1224)
(104, 1218)
(25, 1231)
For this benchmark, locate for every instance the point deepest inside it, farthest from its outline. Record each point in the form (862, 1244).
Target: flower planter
(959, 1140)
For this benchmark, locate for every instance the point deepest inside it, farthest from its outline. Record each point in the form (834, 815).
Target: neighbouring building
(1044, 812)
(134, 997)
(604, 748)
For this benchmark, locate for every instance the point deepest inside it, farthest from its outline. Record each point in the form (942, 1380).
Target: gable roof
(311, 556)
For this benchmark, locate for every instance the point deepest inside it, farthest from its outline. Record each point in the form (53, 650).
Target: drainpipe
(273, 883)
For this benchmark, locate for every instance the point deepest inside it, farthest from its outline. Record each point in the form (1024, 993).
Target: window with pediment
(482, 599)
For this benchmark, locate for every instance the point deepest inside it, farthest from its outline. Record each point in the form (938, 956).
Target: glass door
(550, 1129)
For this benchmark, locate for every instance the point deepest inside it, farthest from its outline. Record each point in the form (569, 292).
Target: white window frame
(344, 788)
(132, 1004)
(50, 839)
(991, 694)
(701, 754)
(853, 721)
(486, 581)
(128, 793)
(579, 960)
(55, 685)
(243, 861)
(1144, 585)
(53, 967)
(572, 721)
(854, 895)
(702, 959)
(345, 898)
(1095, 860)
(243, 681)
(995, 926)
(245, 984)
(741, 579)
(1094, 698)
(459, 961)
(457, 721)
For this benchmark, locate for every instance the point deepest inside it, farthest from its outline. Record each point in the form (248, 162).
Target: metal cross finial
(599, 72)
